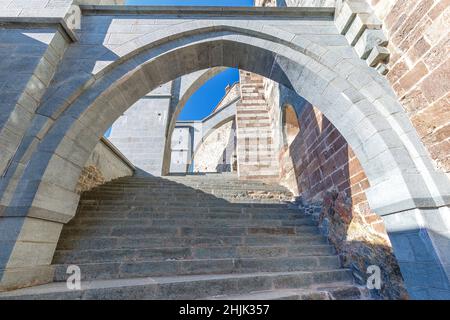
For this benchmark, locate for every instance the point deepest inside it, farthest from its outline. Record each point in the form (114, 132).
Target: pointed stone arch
(354, 97)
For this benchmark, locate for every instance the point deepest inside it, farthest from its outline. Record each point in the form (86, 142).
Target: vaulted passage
(117, 56)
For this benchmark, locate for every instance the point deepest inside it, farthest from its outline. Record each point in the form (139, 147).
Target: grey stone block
(369, 40)
(377, 56)
(361, 22)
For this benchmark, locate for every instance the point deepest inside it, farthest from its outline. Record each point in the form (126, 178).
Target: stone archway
(405, 190)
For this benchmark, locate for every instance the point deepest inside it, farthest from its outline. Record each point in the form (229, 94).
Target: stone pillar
(421, 242)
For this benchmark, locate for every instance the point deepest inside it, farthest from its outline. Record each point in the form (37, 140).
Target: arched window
(291, 126)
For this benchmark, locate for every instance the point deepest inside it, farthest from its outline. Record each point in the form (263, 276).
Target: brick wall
(329, 173)
(419, 42)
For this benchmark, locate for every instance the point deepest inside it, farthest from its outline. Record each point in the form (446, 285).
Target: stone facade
(217, 151)
(140, 133)
(419, 40)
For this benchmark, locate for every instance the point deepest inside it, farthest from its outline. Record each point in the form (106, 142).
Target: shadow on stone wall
(329, 176)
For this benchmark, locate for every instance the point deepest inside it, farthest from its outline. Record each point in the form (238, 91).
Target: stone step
(190, 190)
(143, 231)
(163, 190)
(231, 208)
(194, 188)
(201, 231)
(165, 196)
(135, 215)
(194, 203)
(186, 287)
(146, 242)
(171, 214)
(190, 222)
(139, 269)
(332, 291)
(179, 253)
(185, 204)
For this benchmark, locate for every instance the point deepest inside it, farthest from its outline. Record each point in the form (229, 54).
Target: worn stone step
(284, 217)
(183, 189)
(183, 215)
(190, 222)
(331, 291)
(191, 203)
(125, 209)
(142, 231)
(220, 198)
(178, 253)
(66, 243)
(186, 287)
(184, 182)
(137, 269)
(189, 229)
(217, 196)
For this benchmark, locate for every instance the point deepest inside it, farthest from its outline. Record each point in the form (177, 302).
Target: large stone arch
(354, 97)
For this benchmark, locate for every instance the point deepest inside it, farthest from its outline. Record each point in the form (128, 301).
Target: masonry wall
(216, 152)
(37, 53)
(105, 163)
(419, 42)
(140, 133)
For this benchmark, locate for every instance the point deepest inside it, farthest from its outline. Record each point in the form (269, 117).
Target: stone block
(44, 71)
(377, 55)
(368, 40)
(27, 254)
(52, 202)
(25, 277)
(347, 13)
(383, 69)
(361, 22)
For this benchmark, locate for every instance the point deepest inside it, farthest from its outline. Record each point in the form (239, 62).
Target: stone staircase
(193, 237)
(255, 134)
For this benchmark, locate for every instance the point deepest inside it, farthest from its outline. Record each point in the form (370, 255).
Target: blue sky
(192, 2)
(205, 99)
